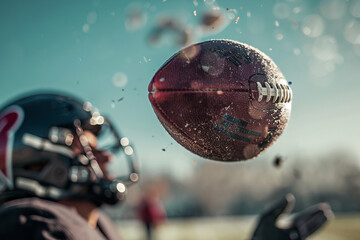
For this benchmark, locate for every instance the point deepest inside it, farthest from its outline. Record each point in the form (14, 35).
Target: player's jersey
(33, 218)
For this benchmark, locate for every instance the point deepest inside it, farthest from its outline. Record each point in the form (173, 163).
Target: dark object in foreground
(300, 227)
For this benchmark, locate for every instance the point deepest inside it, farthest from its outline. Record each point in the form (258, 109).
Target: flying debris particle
(172, 27)
(195, 13)
(164, 149)
(136, 18)
(215, 8)
(145, 59)
(278, 161)
(270, 49)
(277, 23)
(210, 19)
(248, 14)
(290, 82)
(237, 20)
(231, 10)
(195, 3)
(213, 21)
(113, 102)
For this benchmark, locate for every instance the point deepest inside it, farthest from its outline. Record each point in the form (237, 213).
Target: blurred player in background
(55, 157)
(150, 211)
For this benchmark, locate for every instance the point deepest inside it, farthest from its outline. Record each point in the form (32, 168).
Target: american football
(221, 99)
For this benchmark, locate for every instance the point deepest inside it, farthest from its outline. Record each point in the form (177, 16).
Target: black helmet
(36, 155)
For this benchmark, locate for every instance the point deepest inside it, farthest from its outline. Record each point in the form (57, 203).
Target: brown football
(221, 99)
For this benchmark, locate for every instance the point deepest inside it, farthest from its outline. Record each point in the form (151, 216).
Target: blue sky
(94, 50)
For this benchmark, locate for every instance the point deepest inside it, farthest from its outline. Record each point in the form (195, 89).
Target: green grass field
(343, 227)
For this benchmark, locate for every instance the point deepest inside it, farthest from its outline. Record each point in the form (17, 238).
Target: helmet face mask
(46, 152)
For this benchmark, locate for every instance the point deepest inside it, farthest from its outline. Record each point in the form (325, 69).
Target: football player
(55, 153)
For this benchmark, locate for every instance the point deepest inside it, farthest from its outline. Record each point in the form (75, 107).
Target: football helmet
(38, 158)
